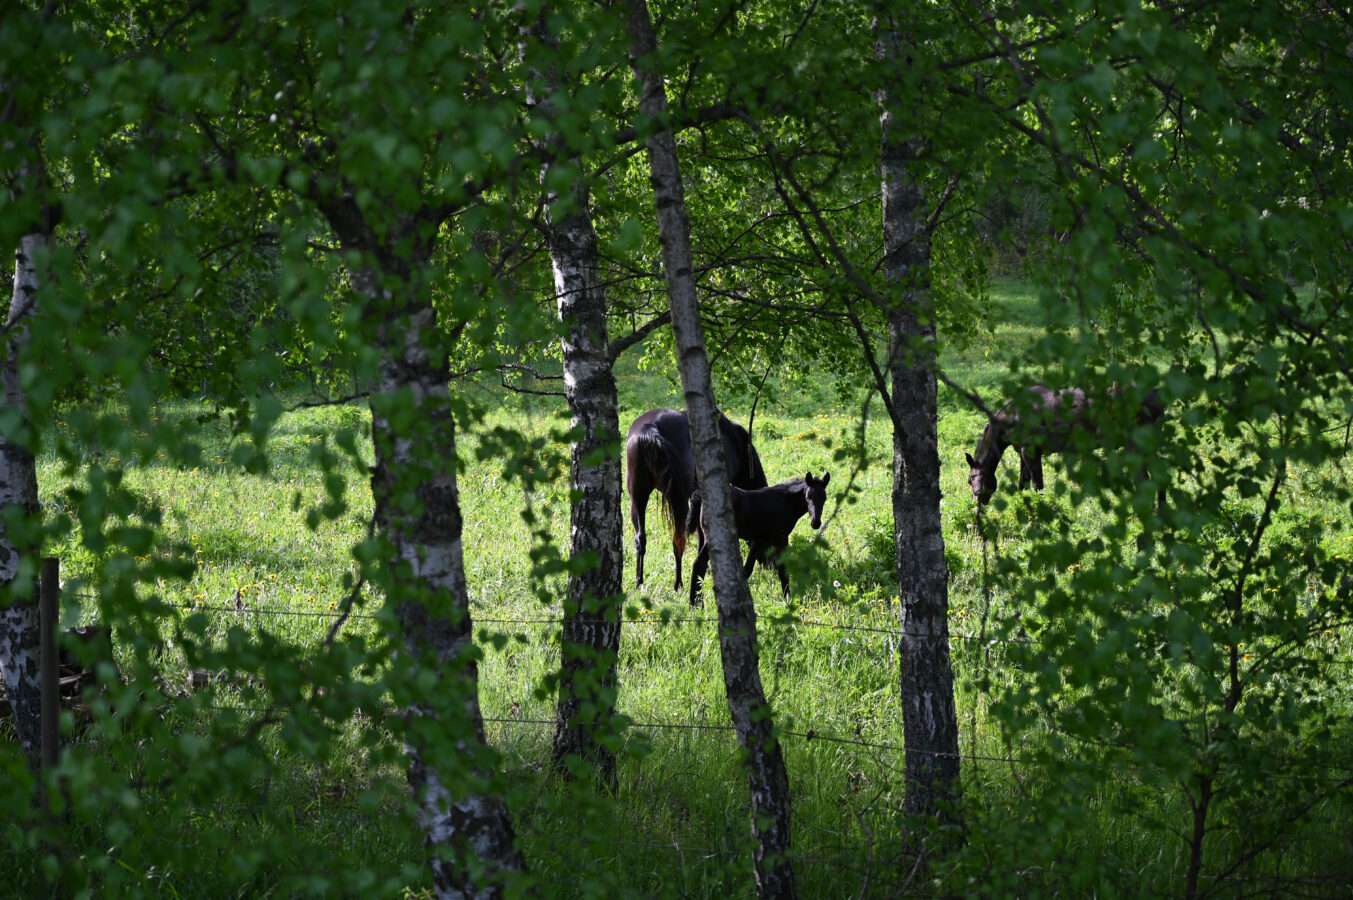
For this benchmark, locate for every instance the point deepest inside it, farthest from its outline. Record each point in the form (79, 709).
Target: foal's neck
(798, 495)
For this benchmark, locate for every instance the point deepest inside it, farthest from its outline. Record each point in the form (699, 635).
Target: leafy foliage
(1168, 621)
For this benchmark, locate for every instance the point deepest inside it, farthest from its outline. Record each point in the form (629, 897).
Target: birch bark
(767, 777)
(20, 638)
(591, 632)
(591, 640)
(467, 828)
(929, 717)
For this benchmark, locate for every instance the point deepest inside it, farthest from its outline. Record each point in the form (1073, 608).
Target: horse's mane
(990, 444)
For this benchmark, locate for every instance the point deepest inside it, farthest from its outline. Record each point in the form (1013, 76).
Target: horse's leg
(638, 510)
(780, 568)
(1036, 469)
(678, 548)
(698, 572)
(1023, 468)
(754, 551)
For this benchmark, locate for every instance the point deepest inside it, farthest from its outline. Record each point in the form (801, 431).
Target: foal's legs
(780, 568)
(698, 569)
(764, 552)
(754, 551)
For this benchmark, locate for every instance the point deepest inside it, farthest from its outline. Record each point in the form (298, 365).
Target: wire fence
(648, 621)
(651, 621)
(886, 754)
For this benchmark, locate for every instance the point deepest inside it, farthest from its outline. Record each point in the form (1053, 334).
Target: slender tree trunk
(591, 638)
(929, 718)
(19, 634)
(1198, 835)
(469, 834)
(767, 776)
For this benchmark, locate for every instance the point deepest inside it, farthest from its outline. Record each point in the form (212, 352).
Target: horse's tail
(693, 515)
(754, 463)
(674, 483)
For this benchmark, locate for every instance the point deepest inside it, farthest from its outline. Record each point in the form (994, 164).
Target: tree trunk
(929, 718)
(767, 777)
(468, 832)
(20, 637)
(591, 638)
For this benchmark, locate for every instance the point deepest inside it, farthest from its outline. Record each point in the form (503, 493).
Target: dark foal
(764, 518)
(1057, 416)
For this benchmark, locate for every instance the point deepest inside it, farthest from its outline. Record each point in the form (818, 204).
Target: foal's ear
(809, 476)
(972, 463)
(826, 477)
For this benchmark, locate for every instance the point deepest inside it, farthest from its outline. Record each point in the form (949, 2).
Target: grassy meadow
(678, 825)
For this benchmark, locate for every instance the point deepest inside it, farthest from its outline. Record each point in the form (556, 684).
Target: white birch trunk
(767, 776)
(467, 828)
(20, 638)
(929, 717)
(591, 632)
(469, 834)
(591, 640)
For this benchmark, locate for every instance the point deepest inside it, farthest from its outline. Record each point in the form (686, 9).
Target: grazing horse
(764, 518)
(658, 455)
(1059, 415)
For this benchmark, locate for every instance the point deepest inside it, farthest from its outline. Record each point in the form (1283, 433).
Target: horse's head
(816, 491)
(982, 480)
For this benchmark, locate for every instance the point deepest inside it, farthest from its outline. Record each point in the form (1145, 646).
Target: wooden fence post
(49, 664)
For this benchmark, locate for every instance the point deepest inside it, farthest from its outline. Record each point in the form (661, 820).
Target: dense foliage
(270, 208)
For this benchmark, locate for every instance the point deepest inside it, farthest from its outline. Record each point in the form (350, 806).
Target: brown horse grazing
(764, 518)
(658, 455)
(1059, 415)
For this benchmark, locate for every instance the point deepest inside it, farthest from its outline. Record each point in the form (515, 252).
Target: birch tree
(768, 778)
(19, 622)
(930, 721)
(390, 235)
(29, 201)
(591, 631)
(389, 186)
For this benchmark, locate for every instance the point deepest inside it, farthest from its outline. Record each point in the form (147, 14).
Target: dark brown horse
(764, 518)
(658, 455)
(1056, 416)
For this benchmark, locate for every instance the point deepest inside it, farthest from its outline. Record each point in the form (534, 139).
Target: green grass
(678, 825)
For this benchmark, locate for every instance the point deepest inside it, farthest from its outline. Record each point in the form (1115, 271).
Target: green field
(284, 786)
